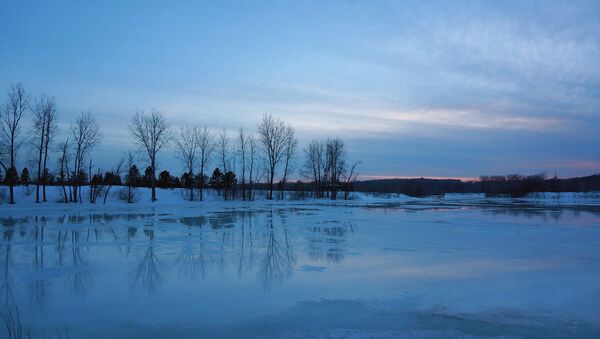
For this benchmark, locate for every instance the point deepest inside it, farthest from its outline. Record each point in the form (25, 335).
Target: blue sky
(440, 89)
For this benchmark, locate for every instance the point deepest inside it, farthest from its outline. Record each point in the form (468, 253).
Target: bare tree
(187, 149)
(130, 177)
(314, 164)
(187, 146)
(44, 128)
(64, 168)
(272, 138)
(243, 138)
(96, 183)
(291, 143)
(86, 135)
(336, 163)
(151, 132)
(350, 180)
(10, 130)
(223, 144)
(39, 130)
(252, 145)
(112, 177)
(206, 146)
(51, 130)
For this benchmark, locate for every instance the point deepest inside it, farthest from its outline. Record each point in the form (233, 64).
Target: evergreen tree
(201, 180)
(164, 179)
(45, 176)
(110, 178)
(148, 177)
(217, 180)
(187, 180)
(229, 180)
(12, 177)
(25, 177)
(132, 179)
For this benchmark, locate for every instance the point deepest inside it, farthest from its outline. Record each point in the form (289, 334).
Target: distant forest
(509, 185)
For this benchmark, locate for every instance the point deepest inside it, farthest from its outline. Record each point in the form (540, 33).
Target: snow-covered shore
(170, 198)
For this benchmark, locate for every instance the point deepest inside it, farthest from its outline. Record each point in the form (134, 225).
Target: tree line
(513, 185)
(264, 159)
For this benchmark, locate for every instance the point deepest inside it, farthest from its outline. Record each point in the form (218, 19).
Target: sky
(415, 88)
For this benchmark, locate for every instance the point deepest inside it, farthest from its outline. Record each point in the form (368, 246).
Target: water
(430, 270)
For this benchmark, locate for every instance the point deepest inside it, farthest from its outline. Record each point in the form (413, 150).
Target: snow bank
(25, 198)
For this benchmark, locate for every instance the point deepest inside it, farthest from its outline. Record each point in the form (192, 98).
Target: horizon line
(466, 179)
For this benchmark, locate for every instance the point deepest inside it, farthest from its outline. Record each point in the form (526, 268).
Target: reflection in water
(326, 242)
(527, 210)
(10, 221)
(7, 267)
(278, 261)
(245, 236)
(257, 242)
(80, 277)
(38, 285)
(57, 269)
(77, 218)
(147, 276)
(247, 252)
(42, 257)
(191, 265)
(530, 213)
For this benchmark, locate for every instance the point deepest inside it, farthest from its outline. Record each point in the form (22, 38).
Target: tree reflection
(38, 285)
(246, 245)
(278, 261)
(8, 265)
(327, 242)
(80, 277)
(191, 266)
(256, 245)
(131, 231)
(148, 275)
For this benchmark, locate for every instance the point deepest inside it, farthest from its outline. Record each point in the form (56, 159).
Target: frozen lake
(304, 269)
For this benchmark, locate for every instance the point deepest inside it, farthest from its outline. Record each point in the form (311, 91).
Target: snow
(374, 266)
(25, 197)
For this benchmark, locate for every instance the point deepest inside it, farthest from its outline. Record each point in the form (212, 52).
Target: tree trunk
(37, 185)
(67, 177)
(62, 176)
(75, 180)
(92, 188)
(250, 179)
(271, 177)
(243, 176)
(202, 182)
(192, 188)
(250, 190)
(45, 176)
(153, 183)
(65, 193)
(285, 172)
(12, 185)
